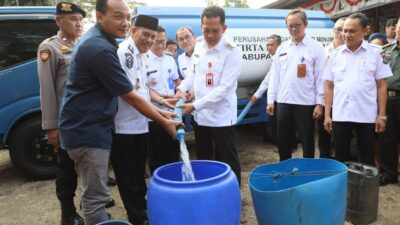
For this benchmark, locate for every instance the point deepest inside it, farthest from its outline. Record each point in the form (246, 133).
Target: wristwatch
(384, 118)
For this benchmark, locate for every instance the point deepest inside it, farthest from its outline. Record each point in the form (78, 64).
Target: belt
(393, 93)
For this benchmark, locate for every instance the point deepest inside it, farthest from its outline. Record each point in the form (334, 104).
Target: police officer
(162, 78)
(54, 56)
(130, 138)
(355, 90)
(215, 69)
(95, 80)
(297, 87)
(389, 139)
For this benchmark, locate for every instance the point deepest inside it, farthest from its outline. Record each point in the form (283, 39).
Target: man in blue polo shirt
(95, 80)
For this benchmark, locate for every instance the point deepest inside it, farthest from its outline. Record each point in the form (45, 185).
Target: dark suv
(22, 30)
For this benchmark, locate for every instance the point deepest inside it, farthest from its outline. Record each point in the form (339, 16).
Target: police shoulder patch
(44, 55)
(128, 60)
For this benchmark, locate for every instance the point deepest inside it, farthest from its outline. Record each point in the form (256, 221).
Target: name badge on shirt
(209, 76)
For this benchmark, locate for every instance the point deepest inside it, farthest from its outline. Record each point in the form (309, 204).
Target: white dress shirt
(184, 63)
(264, 84)
(128, 120)
(354, 75)
(162, 71)
(216, 104)
(285, 86)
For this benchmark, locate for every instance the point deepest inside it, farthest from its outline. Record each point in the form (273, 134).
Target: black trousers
(66, 179)
(389, 139)
(162, 148)
(324, 138)
(365, 141)
(289, 118)
(128, 157)
(225, 149)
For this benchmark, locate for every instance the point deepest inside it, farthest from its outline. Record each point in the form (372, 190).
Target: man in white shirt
(324, 137)
(356, 90)
(216, 66)
(296, 85)
(272, 45)
(162, 78)
(130, 136)
(186, 41)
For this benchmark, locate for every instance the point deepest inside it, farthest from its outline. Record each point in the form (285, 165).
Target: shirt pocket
(338, 73)
(217, 72)
(368, 70)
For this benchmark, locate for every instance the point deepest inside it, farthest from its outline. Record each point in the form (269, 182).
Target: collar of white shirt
(306, 41)
(364, 45)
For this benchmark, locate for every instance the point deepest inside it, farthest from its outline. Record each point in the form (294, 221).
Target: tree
(236, 4)
(212, 2)
(26, 2)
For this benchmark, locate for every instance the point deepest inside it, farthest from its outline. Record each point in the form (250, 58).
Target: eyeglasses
(295, 26)
(338, 29)
(160, 42)
(185, 38)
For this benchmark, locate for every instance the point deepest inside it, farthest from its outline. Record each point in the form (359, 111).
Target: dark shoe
(111, 203)
(385, 179)
(72, 219)
(111, 181)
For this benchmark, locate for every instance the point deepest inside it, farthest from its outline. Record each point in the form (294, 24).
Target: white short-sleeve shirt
(354, 75)
(128, 120)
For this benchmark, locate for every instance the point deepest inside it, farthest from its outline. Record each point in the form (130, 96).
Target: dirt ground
(24, 202)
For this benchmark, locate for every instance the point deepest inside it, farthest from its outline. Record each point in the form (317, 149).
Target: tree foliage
(236, 4)
(26, 2)
(212, 2)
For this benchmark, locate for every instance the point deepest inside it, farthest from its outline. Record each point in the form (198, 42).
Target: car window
(20, 39)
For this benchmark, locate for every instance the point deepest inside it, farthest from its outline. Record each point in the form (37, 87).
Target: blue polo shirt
(95, 79)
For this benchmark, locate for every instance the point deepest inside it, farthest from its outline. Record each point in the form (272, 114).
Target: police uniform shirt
(285, 86)
(95, 79)
(184, 63)
(128, 120)
(354, 75)
(54, 56)
(216, 102)
(392, 57)
(161, 73)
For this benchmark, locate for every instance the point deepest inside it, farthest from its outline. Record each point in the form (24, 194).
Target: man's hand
(190, 96)
(170, 127)
(253, 99)
(317, 114)
(187, 108)
(167, 115)
(328, 124)
(380, 125)
(53, 138)
(270, 109)
(179, 94)
(169, 102)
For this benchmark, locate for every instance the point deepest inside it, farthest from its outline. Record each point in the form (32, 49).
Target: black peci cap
(68, 8)
(145, 21)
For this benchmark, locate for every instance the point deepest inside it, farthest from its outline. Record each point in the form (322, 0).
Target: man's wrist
(381, 117)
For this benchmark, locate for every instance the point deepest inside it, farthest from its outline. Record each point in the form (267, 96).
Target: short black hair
(277, 38)
(363, 19)
(391, 22)
(172, 42)
(213, 11)
(101, 6)
(161, 29)
(299, 12)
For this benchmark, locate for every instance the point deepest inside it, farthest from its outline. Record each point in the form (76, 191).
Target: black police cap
(146, 22)
(68, 8)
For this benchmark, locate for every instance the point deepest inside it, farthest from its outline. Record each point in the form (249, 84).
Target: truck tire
(30, 152)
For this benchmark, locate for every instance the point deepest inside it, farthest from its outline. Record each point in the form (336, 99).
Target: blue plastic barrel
(300, 191)
(213, 199)
(114, 222)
